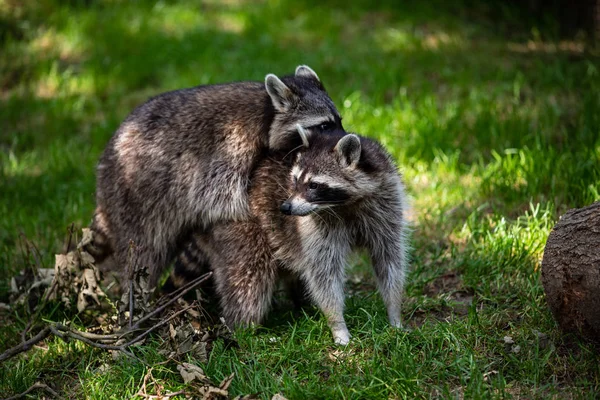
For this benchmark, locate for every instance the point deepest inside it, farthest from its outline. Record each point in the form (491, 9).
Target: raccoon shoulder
(267, 185)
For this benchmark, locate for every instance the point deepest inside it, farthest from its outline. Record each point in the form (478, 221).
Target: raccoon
(182, 161)
(343, 192)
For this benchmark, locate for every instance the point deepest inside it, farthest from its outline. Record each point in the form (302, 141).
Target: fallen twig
(143, 391)
(35, 252)
(176, 295)
(109, 341)
(35, 386)
(26, 345)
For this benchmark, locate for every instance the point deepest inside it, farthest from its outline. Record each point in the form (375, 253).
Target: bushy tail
(101, 247)
(190, 263)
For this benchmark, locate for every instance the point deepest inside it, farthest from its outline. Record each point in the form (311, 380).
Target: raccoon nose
(286, 208)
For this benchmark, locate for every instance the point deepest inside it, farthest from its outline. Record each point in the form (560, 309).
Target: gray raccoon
(183, 160)
(343, 192)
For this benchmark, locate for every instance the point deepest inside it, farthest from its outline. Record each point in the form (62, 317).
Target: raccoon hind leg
(244, 273)
(389, 265)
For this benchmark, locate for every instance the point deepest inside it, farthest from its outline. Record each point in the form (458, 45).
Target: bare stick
(131, 278)
(25, 345)
(131, 303)
(74, 334)
(106, 342)
(35, 386)
(64, 332)
(177, 294)
(70, 230)
(88, 335)
(26, 330)
(35, 252)
(69, 333)
(190, 284)
(161, 323)
(143, 391)
(161, 396)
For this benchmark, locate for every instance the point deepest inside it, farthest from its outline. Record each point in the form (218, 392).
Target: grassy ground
(494, 120)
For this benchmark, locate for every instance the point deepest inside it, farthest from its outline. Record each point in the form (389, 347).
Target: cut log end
(571, 272)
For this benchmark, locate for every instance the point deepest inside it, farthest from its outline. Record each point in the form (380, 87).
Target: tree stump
(571, 272)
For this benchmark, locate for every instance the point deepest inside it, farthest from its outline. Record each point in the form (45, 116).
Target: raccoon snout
(286, 208)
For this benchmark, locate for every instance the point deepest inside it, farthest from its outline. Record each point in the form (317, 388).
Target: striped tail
(190, 263)
(101, 247)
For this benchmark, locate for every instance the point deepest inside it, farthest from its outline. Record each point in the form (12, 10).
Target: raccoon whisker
(314, 212)
(332, 212)
(292, 150)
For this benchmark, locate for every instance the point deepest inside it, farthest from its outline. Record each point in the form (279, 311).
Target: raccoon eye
(313, 185)
(327, 126)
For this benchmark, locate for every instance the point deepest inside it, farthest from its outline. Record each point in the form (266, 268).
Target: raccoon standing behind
(343, 192)
(183, 160)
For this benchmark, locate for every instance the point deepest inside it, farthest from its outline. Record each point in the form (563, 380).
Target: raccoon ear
(303, 135)
(348, 148)
(281, 95)
(307, 72)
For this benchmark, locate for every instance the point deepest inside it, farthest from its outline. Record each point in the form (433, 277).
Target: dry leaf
(226, 382)
(89, 290)
(87, 238)
(190, 372)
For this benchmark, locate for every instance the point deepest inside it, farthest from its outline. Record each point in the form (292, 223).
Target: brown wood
(571, 272)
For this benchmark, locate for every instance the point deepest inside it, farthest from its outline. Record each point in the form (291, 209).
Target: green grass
(494, 121)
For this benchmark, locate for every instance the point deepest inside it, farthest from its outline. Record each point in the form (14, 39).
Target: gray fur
(368, 213)
(306, 71)
(182, 161)
(348, 149)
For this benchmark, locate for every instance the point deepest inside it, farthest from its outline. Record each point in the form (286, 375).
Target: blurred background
(490, 107)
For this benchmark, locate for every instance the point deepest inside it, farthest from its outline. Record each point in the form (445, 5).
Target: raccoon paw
(399, 326)
(341, 337)
(396, 323)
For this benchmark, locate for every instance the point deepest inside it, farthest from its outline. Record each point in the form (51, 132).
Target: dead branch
(26, 345)
(143, 391)
(161, 396)
(109, 341)
(175, 296)
(158, 325)
(35, 386)
(34, 251)
(70, 231)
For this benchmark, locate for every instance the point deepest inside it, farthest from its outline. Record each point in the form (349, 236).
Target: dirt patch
(445, 298)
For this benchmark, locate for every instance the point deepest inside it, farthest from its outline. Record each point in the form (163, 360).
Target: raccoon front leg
(325, 283)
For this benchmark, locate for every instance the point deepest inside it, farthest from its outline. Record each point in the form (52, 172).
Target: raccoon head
(331, 171)
(299, 99)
